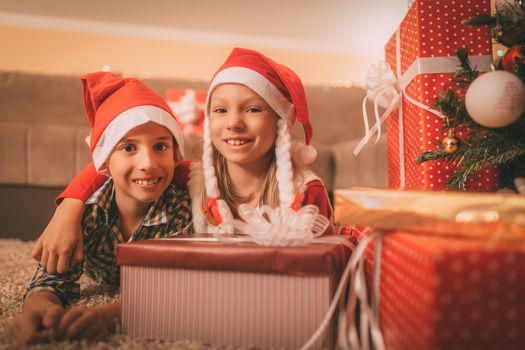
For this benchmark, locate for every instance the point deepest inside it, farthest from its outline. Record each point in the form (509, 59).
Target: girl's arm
(60, 245)
(83, 185)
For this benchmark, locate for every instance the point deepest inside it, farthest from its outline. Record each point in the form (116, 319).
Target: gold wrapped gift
(498, 216)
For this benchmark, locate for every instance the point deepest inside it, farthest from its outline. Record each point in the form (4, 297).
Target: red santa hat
(115, 105)
(283, 90)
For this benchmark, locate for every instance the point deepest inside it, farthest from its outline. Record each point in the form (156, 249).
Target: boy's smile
(243, 127)
(148, 182)
(142, 165)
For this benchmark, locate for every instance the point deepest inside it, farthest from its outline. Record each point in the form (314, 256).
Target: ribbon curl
(382, 89)
(276, 227)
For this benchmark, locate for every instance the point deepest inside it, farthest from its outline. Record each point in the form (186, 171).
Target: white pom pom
(305, 154)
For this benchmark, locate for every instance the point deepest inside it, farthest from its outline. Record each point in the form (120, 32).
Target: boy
(135, 139)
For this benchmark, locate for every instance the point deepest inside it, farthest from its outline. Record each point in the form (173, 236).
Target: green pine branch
(479, 147)
(477, 158)
(520, 69)
(507, 26)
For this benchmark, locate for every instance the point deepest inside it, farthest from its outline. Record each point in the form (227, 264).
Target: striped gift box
(222, 293)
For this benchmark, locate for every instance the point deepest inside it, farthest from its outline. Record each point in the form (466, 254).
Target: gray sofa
(43, 126)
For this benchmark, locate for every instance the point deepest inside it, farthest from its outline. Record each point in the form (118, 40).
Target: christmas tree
(485, 124)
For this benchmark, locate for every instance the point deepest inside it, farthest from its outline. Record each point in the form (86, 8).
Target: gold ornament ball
(450, 144)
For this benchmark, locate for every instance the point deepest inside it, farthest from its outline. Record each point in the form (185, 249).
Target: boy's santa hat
(283, 90)
(115, 105)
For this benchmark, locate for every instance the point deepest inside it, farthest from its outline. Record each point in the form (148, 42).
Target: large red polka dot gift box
(422, 56)
(442, 270)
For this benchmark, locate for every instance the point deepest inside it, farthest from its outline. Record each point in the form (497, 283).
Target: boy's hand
(79, 323)
(35, 326)
(60, 246)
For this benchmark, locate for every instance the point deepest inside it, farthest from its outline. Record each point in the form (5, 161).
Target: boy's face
(142, 164)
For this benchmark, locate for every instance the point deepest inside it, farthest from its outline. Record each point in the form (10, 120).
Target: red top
(88, 181)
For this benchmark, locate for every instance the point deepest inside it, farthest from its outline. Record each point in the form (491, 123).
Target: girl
(252, 104)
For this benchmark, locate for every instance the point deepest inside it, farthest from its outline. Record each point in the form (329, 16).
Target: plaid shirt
(170, 215)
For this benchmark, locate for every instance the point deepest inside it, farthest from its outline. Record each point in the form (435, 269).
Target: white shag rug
(16, 269)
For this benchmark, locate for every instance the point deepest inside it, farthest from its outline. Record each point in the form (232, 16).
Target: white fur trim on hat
(260, 85)
(128, 120)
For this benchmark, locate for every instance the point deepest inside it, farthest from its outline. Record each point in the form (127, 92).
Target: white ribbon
(386, 91)
(349, 336)
(382, 89)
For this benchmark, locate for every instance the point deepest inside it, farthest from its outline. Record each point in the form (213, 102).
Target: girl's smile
(237, 141)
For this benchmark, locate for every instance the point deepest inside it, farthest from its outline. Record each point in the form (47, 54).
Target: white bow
(277, 227)
(187, 108)
(382, 89)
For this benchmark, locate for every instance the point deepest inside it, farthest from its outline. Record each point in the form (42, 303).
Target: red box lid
(210, 254)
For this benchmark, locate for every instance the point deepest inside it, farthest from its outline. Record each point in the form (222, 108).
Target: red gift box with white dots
(446, 293)
(432, 29)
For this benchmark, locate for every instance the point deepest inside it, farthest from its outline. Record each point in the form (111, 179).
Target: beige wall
(66, 53)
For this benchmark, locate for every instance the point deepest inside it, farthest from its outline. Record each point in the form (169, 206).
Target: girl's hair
(270, 192)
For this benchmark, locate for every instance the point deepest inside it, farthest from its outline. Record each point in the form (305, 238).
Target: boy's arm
(40, 315)
(89, 323)
(44, 302)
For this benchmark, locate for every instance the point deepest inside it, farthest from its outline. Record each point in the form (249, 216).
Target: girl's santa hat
(283, 90)
(115, 105)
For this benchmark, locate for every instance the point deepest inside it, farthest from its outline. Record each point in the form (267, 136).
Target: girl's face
(243, 126)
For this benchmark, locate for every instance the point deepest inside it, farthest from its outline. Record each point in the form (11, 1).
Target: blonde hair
(270, 191)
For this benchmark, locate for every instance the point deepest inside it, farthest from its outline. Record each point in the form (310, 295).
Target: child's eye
(219, 110)
(161, 146)
(254, 110)
(128, 147)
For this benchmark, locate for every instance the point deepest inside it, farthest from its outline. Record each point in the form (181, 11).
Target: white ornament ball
(495, 99)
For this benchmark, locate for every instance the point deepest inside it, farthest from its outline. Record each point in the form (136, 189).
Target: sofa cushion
(368, 169)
